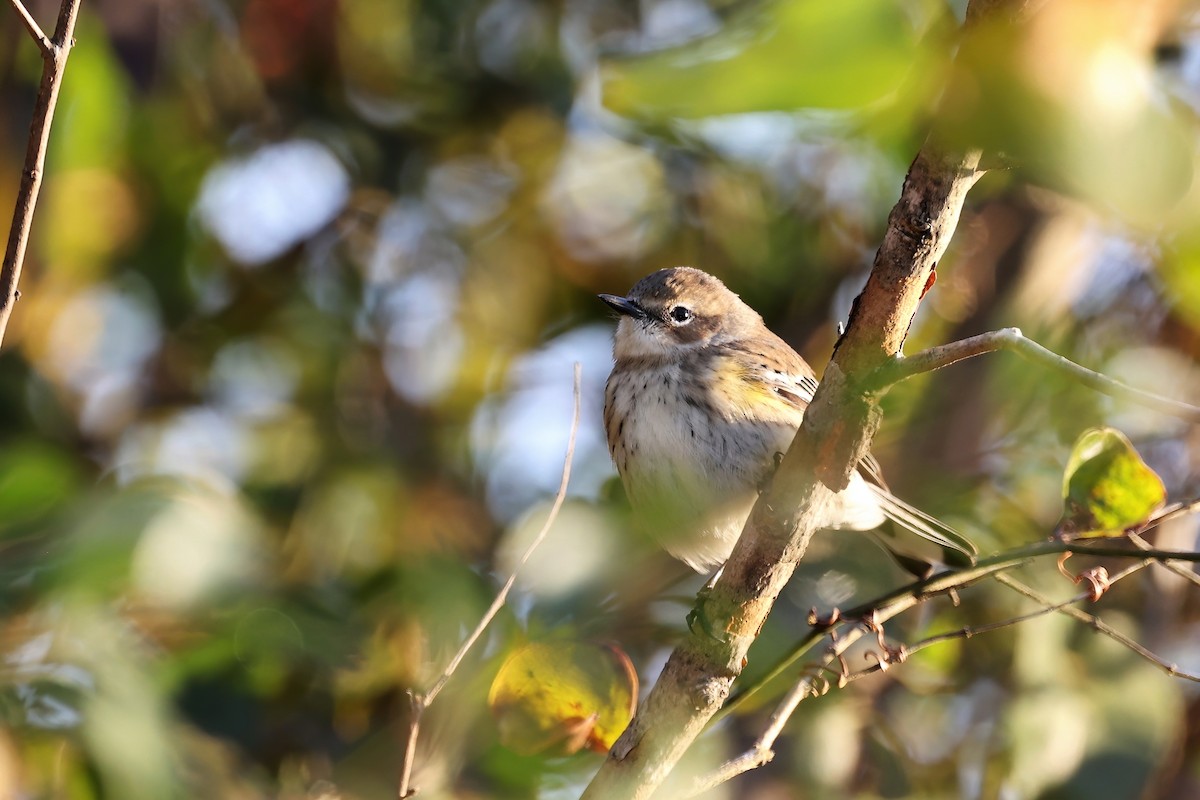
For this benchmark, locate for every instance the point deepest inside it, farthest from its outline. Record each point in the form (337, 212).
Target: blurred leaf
(177, 544)
(91, 123)
(791, 54)
(89, 215)
(1070, 97)
(1180, 270)
(1107, 488)
(34, 478)
(563, 696)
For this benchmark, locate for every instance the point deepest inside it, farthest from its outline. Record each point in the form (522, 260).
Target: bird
(702, 401)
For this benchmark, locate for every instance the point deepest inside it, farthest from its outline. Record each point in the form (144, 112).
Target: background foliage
(289, 382)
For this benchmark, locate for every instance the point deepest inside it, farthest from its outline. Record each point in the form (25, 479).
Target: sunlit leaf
(562, 696)
(1107, 488)
(791, 54)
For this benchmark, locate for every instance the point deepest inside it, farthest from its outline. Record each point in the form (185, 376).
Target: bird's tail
(956, 549)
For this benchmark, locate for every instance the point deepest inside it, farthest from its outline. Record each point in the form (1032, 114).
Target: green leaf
(1107, 488)
(557, 697)
(788, 55)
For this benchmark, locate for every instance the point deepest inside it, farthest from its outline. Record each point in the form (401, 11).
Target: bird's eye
(681, 314)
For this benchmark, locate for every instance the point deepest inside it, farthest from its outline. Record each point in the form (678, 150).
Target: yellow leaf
(561, 696)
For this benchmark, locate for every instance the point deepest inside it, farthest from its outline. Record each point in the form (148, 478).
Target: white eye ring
(681, 315)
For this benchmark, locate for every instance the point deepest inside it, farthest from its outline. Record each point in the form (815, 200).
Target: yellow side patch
(740, 392)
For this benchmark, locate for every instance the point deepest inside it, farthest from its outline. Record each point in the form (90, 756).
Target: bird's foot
(776, 460)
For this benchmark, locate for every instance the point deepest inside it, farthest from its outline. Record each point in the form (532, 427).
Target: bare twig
(1173, 511)
(1183, 572)
(1012, 339)
(31, 25)
(1100, 626)
(760, 753)
(420, 701)
(1082, 548)
(970, 631)
(54, 63)
(416, 708)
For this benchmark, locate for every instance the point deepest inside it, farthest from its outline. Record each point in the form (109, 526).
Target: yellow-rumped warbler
(701, 398)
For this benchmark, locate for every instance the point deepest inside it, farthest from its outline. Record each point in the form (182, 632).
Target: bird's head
(678, 309)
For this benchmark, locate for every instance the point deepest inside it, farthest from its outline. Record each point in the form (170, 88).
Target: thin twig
(760, 753)
(1080, 548)
(971, 631)
(1183, 572)
(31, 25)
(1173, 511)
(903, 367)
(420, 701)
(1103, 627)
(54, 63)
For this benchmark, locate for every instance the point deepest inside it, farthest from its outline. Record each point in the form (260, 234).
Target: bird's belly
(692, 476)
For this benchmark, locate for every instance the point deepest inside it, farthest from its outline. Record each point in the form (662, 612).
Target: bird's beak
(623, 305)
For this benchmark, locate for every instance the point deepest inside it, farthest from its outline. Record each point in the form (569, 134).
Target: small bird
(702, 401)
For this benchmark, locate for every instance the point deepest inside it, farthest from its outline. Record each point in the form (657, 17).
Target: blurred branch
(1101, 626)
(54, 62)
(1012, 339)
(420, 701)
(1169, 513)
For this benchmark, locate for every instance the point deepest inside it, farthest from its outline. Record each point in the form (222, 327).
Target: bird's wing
(781, 370)
(926, 526)
(790, 378)
(912, 518)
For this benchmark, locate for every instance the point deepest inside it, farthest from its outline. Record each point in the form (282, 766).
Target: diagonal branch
(1188, 575)
(54, 63)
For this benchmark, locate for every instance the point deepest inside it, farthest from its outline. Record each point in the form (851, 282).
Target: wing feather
(922, 524)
